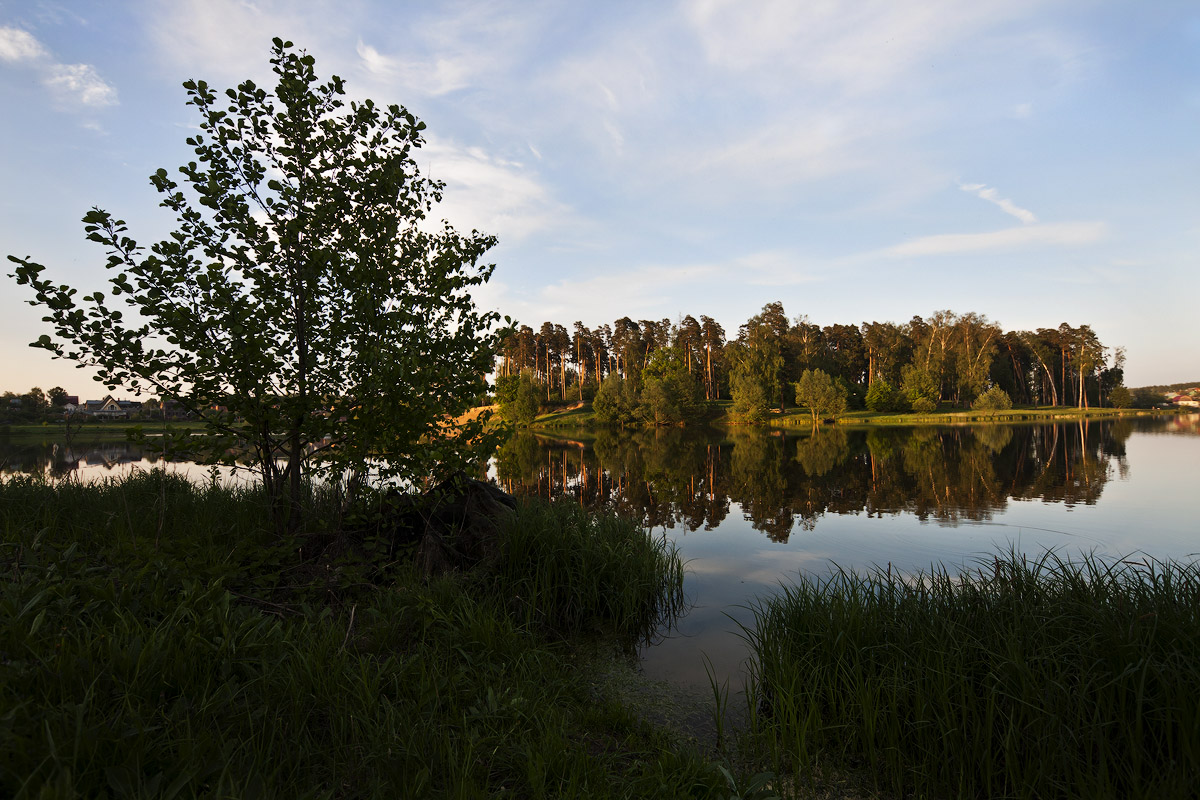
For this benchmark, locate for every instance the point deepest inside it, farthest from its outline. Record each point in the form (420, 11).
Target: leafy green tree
(670, 395)
(881, 396)
(920, 389)
(518, 397)
(1120, 397)
(750, 381)
(820, 394)
(35, 401)
(616, 401)
(527, 400)
(57, 396)
(303, 290)
(994, 399)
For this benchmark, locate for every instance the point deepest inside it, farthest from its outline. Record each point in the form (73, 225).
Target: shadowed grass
(1043, 678)
(146, 650)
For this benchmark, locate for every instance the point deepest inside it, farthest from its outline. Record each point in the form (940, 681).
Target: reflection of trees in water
(672, 477)
(58, 460)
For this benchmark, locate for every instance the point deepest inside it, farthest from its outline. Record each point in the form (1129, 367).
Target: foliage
(303, 308)
(881, 396)
(527, 402)
(506, 391)
(821, 395)
(518, 398)
(1120, 397)
(919, 388)
(753, 372)
(994, 399)
(616, 402)
(1056, 678)
(962, 354)
(57, 396)
(669, 396)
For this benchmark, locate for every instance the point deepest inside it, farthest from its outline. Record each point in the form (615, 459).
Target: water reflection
(786, 482)
(93, 459)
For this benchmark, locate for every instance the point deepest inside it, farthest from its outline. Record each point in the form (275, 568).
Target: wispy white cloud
(992, 196)
(433, 76)
(17, 45)
(72, 84)
(859, 46)
(1057, 234)
(82, 82)
(492, 194)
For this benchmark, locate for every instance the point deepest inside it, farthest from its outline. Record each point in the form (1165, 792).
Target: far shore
(580, 416)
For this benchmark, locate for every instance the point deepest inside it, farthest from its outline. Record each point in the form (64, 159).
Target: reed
(1019, 678)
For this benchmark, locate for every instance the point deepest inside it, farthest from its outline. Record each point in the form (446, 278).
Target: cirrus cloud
(1060, 234)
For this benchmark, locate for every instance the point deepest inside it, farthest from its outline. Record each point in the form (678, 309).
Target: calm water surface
(750, 508)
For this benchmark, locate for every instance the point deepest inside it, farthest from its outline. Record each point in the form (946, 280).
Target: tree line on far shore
(658, 371)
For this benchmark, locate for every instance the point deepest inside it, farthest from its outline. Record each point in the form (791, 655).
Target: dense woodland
(945, 358)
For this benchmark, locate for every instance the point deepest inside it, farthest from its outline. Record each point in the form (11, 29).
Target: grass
(800, 418)
(1030, 679)
(92, 430)
(156, 639)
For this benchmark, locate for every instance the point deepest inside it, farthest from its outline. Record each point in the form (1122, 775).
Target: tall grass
(571, 571)
(1022, 678)
(141, 657)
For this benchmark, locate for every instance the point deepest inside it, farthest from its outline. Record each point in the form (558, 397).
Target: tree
(1120, 397)
(670, 396)
(616, 401)
(713, 336)
(526, 400)
(57, 396)
(34, 401)
(881, 396)
(762, 357)
(820, 394)
(994, 399)
(303, 290)
(920, 389)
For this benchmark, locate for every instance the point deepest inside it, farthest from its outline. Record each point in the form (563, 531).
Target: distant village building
(111, 408)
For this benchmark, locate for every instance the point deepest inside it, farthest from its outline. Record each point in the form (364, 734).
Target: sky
(1035, 162)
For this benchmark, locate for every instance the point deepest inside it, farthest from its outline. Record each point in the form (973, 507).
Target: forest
(942, 359)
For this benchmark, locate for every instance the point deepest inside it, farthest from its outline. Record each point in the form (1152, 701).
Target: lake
(749, 508)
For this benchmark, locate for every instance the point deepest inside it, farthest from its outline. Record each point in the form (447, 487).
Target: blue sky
(1037, 162)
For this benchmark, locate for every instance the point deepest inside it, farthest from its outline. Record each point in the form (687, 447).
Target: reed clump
(1040, 678)
(157, 640)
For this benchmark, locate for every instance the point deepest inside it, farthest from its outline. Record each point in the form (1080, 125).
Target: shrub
(994, 399)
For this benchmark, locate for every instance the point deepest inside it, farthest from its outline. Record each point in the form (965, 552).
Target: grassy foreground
(1029, 679)
(157, 641)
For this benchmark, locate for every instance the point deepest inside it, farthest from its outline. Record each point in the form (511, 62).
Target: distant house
(108, 408)
(72, 400)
